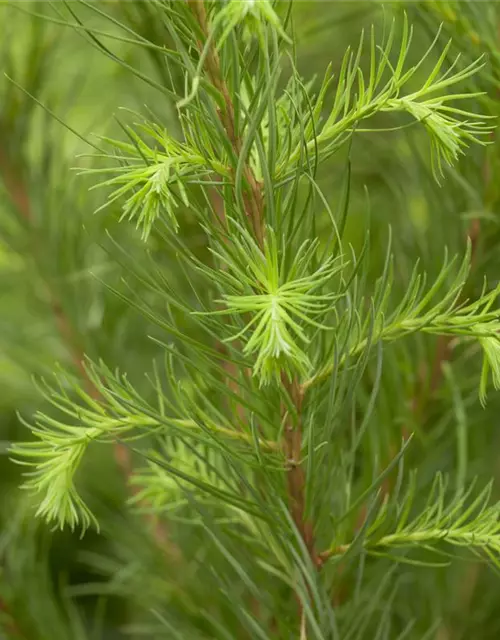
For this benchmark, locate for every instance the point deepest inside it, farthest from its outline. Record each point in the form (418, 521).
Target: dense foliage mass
(249, 344)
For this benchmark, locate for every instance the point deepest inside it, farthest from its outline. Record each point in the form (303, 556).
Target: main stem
(296, 478)
(254, 210)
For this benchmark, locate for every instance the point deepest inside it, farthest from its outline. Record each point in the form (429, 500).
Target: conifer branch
(255, 212)
(469, 539)
(449, 317)
(460, 523)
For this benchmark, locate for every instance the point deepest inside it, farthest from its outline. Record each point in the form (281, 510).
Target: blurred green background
(61, 87)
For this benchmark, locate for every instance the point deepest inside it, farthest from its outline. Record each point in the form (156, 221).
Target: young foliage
(358, 97)
(267, 442)
(455, 521)
(277, 302)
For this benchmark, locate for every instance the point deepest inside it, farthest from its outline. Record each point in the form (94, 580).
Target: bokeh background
(63, 86)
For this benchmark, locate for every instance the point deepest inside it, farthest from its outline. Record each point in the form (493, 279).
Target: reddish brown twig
(254, 205)
(9, 624)
(296, 478)
(15, 188)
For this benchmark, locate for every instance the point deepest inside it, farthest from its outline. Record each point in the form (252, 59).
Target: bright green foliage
(458, 522)
(276, 303)
(247, 290)
(357, 97)
(254, 16)
(150, 189)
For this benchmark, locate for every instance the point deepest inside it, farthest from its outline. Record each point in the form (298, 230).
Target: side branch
(18, 193)
(459, 538)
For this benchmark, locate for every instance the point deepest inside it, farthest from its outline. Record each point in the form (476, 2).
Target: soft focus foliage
(249, 341)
